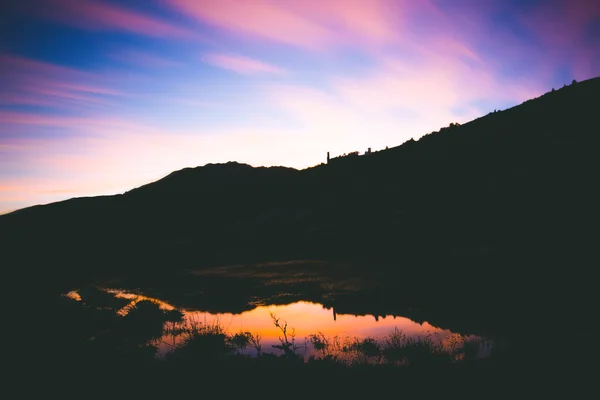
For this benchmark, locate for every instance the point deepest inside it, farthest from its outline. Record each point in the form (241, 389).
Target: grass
(395, 349)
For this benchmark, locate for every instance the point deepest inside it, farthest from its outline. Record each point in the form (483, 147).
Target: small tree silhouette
(288, 345)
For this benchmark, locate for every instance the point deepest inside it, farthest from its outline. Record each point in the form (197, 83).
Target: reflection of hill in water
(304, 319)
(340, 287)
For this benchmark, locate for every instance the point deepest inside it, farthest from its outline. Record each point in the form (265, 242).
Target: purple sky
(99, 97)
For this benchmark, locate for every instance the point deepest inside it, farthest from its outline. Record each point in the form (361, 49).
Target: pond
(311, 329)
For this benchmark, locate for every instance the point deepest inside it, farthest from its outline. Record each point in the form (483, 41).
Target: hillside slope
(511, 194)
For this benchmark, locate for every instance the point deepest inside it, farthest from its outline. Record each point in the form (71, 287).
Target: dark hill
(502, 209)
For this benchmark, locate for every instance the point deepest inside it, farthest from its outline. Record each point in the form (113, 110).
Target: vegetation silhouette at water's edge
(101, 334)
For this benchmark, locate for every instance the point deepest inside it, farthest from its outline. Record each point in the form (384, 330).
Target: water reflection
(73, 295)
(303, 320)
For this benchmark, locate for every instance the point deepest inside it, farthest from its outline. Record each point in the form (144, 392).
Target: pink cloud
(309, 23)
(64, 95)
(264, 19)
(563, 27)
(561, 24)
(52, 98)
(14, 65)
(240, 64)
(85, 88)
(190, 102)
(558, 35)
(24, 99)
(102, 16)
(23, 118)
(31, 82)
(368, 21)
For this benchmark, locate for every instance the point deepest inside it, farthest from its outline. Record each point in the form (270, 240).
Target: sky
(101, 96)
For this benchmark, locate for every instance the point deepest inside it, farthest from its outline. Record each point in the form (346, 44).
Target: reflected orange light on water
(73, 295)
(136, 298)
(309, 318)
(303, 319)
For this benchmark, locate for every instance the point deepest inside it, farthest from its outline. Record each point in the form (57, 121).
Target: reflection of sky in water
(73, 295)
(304, 318)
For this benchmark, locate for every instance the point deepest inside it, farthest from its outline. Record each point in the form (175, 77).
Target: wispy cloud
(11, 65)
(31, 82)
(59, 121)
(240, 64)
(566, 31)
(312, 24)
(532, 39)
(97, 15)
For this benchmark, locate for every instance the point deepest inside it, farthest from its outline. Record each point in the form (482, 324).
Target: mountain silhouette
(502, 209)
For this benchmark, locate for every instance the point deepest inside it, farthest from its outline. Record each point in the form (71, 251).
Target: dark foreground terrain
(488, 228)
